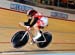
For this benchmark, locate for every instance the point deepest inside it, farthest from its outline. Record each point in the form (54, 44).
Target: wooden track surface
(63, 32)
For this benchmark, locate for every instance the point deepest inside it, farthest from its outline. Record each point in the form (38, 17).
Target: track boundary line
(38, 50)
(51, 43)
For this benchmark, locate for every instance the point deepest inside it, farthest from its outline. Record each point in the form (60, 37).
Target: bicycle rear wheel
(48, 37)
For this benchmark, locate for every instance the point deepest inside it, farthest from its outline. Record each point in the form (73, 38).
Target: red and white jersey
(42, 21)
(38, 15)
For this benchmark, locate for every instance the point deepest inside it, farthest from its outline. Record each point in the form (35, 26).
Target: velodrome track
(63, 33)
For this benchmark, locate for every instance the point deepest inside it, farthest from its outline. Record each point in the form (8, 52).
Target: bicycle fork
(24, 36)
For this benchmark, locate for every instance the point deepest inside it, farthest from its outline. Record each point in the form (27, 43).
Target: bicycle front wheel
(17, 37)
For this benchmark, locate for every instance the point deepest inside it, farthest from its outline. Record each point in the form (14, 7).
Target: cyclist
(36, 20)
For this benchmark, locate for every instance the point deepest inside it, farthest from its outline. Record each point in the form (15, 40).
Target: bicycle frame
(28, 31)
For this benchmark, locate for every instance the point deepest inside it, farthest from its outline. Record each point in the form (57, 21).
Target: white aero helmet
(28, 12)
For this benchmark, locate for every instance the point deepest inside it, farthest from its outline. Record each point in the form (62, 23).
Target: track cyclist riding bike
(36, 21)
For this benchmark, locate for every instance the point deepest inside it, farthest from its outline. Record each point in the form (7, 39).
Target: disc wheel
(48, 37)
(17, 37)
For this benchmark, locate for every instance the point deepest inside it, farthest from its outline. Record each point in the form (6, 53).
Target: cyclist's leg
(37, 32)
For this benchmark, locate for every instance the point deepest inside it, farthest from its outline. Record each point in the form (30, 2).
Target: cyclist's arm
(34, 22)
(28, 22)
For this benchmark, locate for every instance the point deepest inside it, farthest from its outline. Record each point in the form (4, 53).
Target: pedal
(32, 42)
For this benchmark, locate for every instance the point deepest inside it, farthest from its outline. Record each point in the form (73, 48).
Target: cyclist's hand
(21, 23)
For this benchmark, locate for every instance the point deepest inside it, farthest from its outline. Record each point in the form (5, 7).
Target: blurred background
(58, 3)
(61, 5)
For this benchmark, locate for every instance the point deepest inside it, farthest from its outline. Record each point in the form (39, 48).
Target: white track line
(13, 53)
